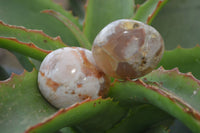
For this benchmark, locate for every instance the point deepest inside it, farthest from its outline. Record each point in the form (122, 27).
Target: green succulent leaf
(99, 13)
(187, 60)
(21, 104)
(178, 23)
(139, 119)
(28, 14)
(148, 10)
(28, 49)
(83, 41)
(39, 38)
(89, 116)
(174, 92)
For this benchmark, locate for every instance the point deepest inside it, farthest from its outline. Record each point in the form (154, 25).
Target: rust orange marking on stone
(52, 84)
(79, 85)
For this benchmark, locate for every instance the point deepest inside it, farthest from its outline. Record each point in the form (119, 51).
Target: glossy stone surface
(69, 75)
(127, 49)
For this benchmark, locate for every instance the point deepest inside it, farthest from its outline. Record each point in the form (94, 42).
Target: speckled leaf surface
(21, 104)
(28, 14)
(101, 12)
(187, 60)
(178, 23)
(174, 92)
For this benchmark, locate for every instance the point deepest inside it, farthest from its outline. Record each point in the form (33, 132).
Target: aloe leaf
(38, 37)
(21, 104)
(148, 10)
(28, 49)
(89, 116)
(83, 41)
(187, 60)
(139, 119)
(178, 23)
(101, 12)
(27, 13)
(174, 92)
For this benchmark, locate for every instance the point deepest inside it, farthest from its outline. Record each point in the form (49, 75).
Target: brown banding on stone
(125, 70)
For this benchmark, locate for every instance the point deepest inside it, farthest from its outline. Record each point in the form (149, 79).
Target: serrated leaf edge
(186, 107)
(62, 111)
(13, 75)
(58, 38)
(29, 45)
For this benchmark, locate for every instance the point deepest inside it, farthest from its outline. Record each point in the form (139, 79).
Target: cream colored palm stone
(69, 75)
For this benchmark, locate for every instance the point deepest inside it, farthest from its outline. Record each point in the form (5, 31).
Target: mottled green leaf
(21, 104)
(148, 10)
(178, 23)
(89, 116)
(27, 13)
(101, 12)
(174, 92)
(187, 60)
